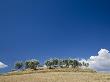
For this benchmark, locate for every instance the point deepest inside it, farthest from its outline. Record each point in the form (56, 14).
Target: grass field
(57, 77)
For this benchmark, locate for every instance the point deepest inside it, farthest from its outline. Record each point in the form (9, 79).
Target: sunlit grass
(57, 77)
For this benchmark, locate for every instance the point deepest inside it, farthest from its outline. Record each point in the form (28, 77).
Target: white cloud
(101, 62)
(2, 65)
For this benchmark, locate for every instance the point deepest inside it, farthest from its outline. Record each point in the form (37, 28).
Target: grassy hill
(30, 71)
(55, 75)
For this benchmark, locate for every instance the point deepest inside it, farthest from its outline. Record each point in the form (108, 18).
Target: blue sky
(43, 29)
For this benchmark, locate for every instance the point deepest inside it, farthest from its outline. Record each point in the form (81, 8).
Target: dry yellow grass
(58, 77)
(30, 71)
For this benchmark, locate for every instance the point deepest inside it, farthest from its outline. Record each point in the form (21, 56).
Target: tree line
(50, 64)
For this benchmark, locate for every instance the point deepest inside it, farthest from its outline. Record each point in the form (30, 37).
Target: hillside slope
(57, 77)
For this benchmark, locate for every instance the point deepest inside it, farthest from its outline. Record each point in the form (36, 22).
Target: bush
(32, 64)
(19, 65)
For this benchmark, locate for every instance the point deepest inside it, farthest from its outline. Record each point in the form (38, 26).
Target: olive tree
(49, 63)
(32, 64)
(19, 65)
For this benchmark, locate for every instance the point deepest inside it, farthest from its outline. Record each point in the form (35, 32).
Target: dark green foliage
(71, 62)
(32, 64)
(85, 64)
(66, 62)
(27, 64)
(55, 61)
(60, 63)
(49, 63)
(75, 63)
(19, 65)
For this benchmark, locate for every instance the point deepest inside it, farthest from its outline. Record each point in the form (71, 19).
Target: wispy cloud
(2, 65)
(101, 62)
